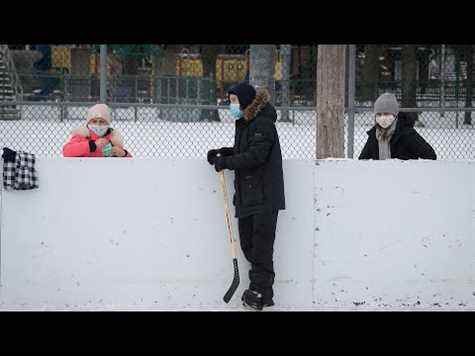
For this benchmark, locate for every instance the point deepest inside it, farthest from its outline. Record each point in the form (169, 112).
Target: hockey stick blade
(234, 285)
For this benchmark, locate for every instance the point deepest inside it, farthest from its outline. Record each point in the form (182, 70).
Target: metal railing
(10, 65)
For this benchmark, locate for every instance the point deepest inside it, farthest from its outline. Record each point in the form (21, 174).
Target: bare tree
(330, 101)
(409, 76)
(157, 66)
(371, 71)
(424, 59)
(262, 67)
(80, 61)
(168, 62)
(209, 55)
(164, 69)
(80, 69)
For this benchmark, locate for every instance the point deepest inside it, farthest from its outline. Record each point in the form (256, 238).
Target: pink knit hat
(99, 110)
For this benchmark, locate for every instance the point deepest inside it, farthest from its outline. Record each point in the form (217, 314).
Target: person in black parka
(393, 135)
(256, 159)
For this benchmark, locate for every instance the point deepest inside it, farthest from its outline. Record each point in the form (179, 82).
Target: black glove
(8, 155)
(226, 151)
(211, 156)
(219, 163)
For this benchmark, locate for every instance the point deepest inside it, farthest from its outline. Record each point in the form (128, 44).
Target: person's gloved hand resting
(212, 155)
(219, 163)
(216, 157)
(215, 153)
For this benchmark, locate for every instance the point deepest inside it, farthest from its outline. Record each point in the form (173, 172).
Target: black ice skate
(267, 303)
(252, 299)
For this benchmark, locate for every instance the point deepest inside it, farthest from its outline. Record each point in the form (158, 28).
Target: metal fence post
(61, 111)
(187, 89)
(457, 83)
(351, 100)
(103, 69)
(136, 88)
(198, 89)
(160, 89)
(90, 87)
(442, 80)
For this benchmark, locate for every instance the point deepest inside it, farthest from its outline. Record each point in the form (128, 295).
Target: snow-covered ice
(154, 132)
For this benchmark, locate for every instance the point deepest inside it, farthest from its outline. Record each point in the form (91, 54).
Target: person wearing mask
(393, 134)
(256, 160)
(96, 138)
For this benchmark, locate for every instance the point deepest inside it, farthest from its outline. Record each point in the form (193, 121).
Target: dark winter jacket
(257, 160)
(405, 143)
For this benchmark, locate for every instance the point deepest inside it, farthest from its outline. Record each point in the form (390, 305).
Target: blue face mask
(99, 130)
(235, 111)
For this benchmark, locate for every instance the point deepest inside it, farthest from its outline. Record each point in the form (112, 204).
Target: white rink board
(149, 234)
(395, 234)
(153, 237)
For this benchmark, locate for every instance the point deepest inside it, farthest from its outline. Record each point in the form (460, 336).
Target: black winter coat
(257, 160)
(405, 143)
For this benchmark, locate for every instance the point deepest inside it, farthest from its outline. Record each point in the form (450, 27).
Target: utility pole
(330, 101)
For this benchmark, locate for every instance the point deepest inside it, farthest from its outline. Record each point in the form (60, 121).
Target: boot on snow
(267, 303)
(252, 299)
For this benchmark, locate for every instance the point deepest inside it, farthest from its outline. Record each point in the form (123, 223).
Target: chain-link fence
(170, 100)
(434, 82)
(437, 127)
(44, 128)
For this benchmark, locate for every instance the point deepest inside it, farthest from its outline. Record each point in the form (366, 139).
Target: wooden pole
(330, 101)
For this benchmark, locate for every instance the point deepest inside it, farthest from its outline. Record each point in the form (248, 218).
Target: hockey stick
(235, 283)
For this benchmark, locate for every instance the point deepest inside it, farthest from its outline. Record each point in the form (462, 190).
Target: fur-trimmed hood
(115, 136)
(260, 101)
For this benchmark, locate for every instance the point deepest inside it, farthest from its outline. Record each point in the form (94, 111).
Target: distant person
(96, 138)
(393, 135)
(43, 70)
(45, 62)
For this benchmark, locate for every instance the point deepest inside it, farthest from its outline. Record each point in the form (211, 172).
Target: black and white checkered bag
(20, 174)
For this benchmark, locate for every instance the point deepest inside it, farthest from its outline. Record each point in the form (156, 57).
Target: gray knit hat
(387, 102)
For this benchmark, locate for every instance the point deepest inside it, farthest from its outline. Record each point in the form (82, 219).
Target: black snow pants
(257, 235)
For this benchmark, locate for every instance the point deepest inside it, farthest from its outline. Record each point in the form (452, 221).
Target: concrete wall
(146, 234)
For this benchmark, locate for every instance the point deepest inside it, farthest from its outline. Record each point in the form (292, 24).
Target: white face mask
(99, 130)
(385, 120)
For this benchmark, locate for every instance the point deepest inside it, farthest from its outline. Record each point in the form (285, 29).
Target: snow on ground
(153, 132)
